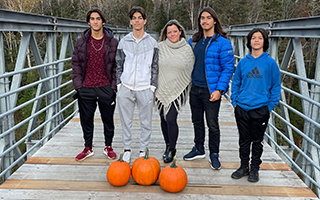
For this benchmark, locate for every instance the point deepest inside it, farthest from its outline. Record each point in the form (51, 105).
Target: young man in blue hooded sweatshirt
(255, 90)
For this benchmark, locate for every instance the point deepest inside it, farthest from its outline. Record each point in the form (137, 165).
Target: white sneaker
(127, 156)
(142, 153)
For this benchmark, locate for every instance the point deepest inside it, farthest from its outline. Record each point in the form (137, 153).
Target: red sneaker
(108, 151)
(86, 153)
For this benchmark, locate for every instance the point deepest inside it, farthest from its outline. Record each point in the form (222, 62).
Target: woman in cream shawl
(176, 61)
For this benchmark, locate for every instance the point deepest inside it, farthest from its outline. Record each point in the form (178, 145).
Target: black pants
(87, 101)
(200, 104)
(251, 125)
(169, 127)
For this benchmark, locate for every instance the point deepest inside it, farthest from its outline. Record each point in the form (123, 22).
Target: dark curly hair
(264, 35)
(97, 10)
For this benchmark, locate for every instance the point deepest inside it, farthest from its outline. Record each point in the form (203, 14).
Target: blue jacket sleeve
(236, 84)
(275, 89)
(227, 65)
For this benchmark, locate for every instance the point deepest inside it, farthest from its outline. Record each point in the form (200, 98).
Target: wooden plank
(70, 151)
(135, 121)
(132, 187)
(102, 195)
(183, 164)
(195, 175)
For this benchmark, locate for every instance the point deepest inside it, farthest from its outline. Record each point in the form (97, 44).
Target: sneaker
(214, 161)
(108, 151)
(86, 153)
(194, 154)
(241, 172)
(142, 154)
(127, 156)
(253, 175)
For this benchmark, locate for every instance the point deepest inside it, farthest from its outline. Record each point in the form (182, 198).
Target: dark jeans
(200, 104)
(251, 125)
(169, 127)
(87, 101)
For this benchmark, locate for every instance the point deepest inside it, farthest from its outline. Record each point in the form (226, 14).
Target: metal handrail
(9, 74)
(33, 84)
(289, 158)
(37, 113)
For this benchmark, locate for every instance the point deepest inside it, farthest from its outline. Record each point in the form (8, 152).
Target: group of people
(139, 71)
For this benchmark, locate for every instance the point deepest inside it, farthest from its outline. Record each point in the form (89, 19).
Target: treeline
(230, 12)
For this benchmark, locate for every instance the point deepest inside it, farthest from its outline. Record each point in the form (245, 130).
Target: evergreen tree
(148, 6)
(160, 19)
(180, 13)
(232, 12)
(272, 10)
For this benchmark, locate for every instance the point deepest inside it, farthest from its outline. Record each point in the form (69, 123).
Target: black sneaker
(214, 161)
(194, 154)
(253, 175)
(241, 172)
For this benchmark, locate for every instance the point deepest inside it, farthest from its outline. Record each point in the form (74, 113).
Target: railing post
(4, 103)
(284, 110)
(304, 90)
(51, 70)
(314, 131)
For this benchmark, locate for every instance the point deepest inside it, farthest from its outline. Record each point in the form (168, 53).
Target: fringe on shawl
(178, 102)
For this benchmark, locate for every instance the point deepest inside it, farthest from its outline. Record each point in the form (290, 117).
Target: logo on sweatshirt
(254, 73)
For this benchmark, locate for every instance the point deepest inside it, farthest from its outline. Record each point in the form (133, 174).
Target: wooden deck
(53, 173)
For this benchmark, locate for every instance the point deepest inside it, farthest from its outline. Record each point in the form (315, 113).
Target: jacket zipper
(205, 69)
(135, 68)
(135, 71)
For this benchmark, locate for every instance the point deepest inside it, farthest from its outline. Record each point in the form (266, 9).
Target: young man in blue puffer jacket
(212, 72)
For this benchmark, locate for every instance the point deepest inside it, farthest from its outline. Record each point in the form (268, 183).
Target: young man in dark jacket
(212, 71)
(94, 79)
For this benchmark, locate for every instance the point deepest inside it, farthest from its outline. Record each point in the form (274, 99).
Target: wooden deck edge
(135, 121)
(183, 164)
(249, 190)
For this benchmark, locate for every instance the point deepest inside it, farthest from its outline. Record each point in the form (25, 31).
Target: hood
(263, 55)
(108, 33)
(130, 37)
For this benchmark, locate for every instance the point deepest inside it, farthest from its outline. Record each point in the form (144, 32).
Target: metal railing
(294, 129)
(28, 123)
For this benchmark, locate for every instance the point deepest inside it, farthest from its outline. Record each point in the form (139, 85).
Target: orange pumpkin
(173, 178)
(119, 172)
(145, 170)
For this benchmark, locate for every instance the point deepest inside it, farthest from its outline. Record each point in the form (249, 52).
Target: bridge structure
(51, 111)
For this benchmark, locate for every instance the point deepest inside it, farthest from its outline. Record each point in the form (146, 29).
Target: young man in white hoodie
(137, 79)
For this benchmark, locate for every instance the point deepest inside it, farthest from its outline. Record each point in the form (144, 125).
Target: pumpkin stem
(121, 157)
(146, 156)
(173, 165)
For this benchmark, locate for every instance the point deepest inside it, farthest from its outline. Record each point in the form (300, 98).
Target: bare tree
(191, 13)
(254, 14)
(314, 8)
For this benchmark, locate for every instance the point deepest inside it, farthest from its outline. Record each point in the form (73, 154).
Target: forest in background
(230, 12)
